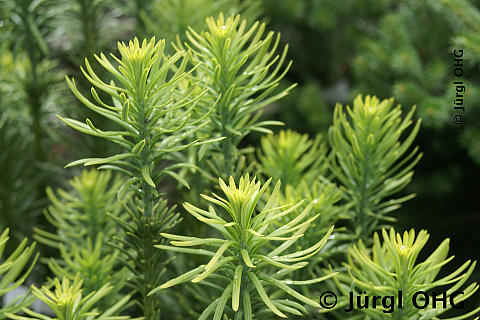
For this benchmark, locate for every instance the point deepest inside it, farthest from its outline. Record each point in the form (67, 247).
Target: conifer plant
(240, 70)
(267, 231)
(248, 264)
(390, 268)
(154, 117)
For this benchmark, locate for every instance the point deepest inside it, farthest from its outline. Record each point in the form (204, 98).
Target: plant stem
(92, 208)
(150, 303)
(243, 288)
(146, 263)
(227, 147)
(361, 216)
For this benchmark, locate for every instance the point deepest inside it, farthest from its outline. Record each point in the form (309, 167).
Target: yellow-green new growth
(147, 105)
(14, 269)
(292, 157)
(154, 113)
(68, 302)
(241, 69)
(370, 160)
(242, 263)
(389, 267)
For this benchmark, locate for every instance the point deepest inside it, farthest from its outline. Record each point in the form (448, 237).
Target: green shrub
(175, 123)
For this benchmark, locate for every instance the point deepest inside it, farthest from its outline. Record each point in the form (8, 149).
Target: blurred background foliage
(399, 48)
(402, 49)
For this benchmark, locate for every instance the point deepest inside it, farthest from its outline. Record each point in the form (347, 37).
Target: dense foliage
(236, 173)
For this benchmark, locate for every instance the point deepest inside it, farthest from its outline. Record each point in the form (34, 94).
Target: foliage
(370, 160)
(301, 165)
(194, 112)
(388, 267)
(240, 264)
(96, 268)
(27, 85)
(82, 212)
(68, 302)
(155, 119)
(311, 25)
(27, 25)
(240, 72)
(83, 227)
(292, 158)
(19, 196)
(14, 270)
(85, 27)
(325, 198)
(145, 107)
(408, 57)
(343, 48)
(466, 38)
(171, 18)
(376, 53)
(468, 19)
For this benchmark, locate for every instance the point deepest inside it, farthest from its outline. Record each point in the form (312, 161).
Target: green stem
(145, 161)
(147, 265)
(92, 209)
(401, 313)
(227, 145)
(150, 303)
(243, 288)
(361, 216)
(227, 155)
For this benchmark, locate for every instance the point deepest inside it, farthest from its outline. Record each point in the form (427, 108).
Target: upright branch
(68, 301)
(391, 266)
(154, 120)
(28, 24)
(249, 262)
(293, 158)
(79, 215)
(370, 160)
(241, 71)
(14, 270)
